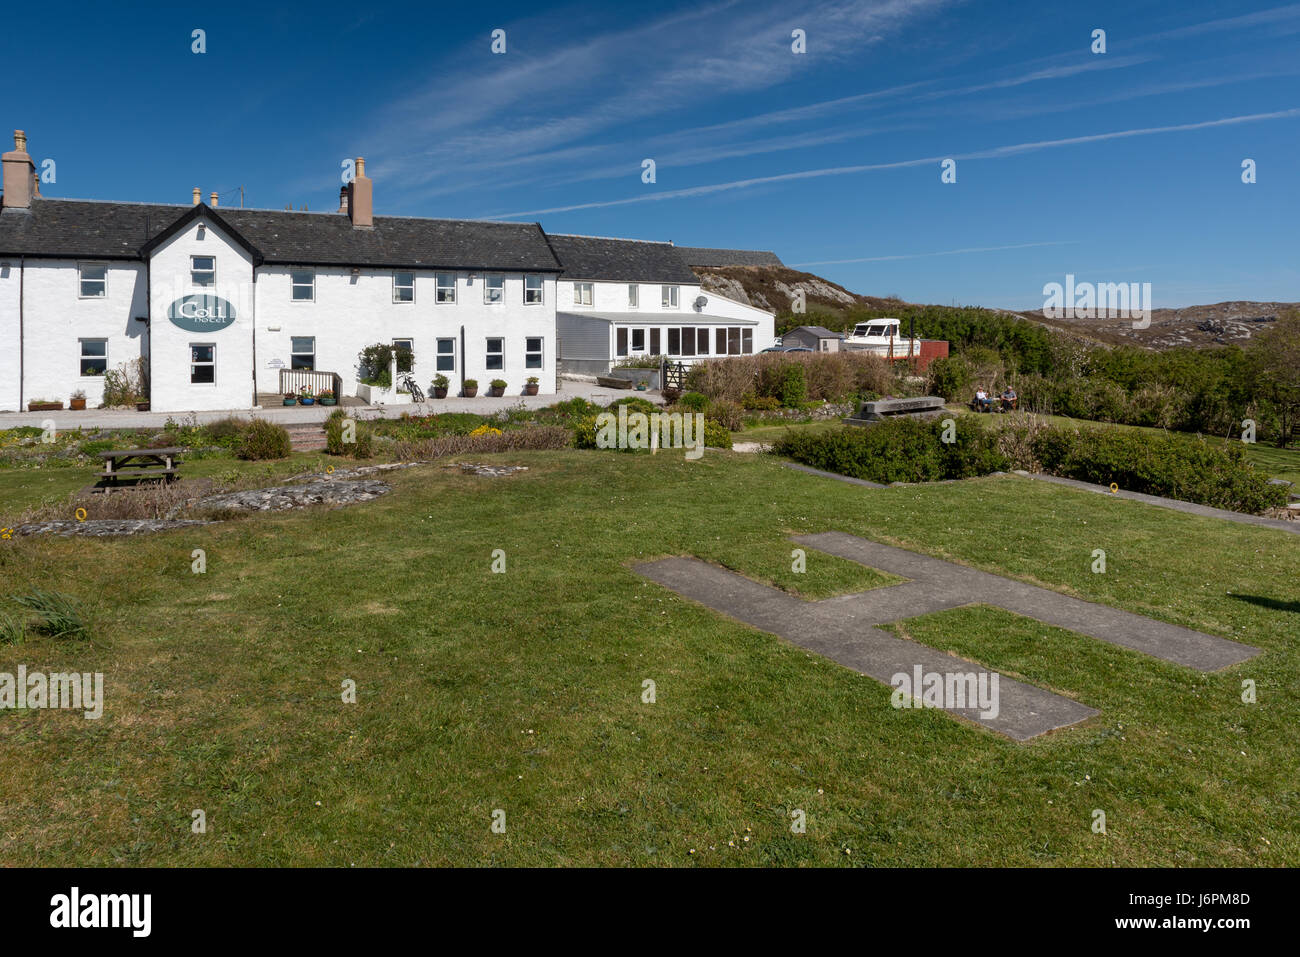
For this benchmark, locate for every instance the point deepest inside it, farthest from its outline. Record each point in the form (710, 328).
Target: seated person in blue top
(1008, 399)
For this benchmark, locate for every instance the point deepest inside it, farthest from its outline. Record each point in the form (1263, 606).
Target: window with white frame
(405, 350)
(203, 270)
(446, 355)
(620, 341)
(403, 287)
(533, 352)
(303, 284)
(446, 287)
(495, 354)
(203, 364)
(633, 295)
(582, 293)
(302, 353)
(669, 297)
(638, 340)
(94, 356)
(94, 280)
(494, 288)
(532, 290)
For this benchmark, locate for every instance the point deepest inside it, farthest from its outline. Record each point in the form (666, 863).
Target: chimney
(212, 200)
(343, 199)
(197, 194)
(36, 185)
(19, 174)
(361, 198)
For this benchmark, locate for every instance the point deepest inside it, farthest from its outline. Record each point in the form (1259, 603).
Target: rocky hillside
(774, 287)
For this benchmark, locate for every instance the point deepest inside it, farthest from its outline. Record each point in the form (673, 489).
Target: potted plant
(306, 397)
(326, 397)
(531, 387)
(43, 405)
(439, 387)
(290, 399)
(497, 388)
(469, 388)
(78, 400)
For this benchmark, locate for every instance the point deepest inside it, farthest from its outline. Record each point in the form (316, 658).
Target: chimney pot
(197, 196)
(212, 199)
(343, 199)
(361, 197)
(19, 175)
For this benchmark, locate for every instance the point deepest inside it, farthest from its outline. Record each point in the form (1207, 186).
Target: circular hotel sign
(201, 313)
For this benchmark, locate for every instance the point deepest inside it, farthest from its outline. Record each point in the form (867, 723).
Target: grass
(522, 691)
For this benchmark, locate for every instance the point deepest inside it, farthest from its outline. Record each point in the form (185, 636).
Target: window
(621, 342)
(303, 283)
(746, 341)
(446, 287)
(670, 297)
(203, 365)
(582, 294)
(446, 355)
(702, 341)
(733, 340)
(94, 281)
(688, 341)
(638, 340)
(654, 342)
(633, 295)
(533, 290)
(720, 345)
(405, 349)
(302, 353)
(403, 287)
(94, 356)
(495, 354)
(533, 352)
(494, 289)
(203, 270)
(674, 342)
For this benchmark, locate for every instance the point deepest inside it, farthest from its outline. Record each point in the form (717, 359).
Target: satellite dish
(701, 302)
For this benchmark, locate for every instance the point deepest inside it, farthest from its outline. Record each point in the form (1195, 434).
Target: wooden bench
(138, 465)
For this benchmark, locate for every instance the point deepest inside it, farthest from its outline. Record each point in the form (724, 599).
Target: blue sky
(1116, 167)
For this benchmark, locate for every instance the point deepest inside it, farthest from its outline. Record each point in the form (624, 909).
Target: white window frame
(579, 288)
(213, 363)
(397, 285)
(195, 271)
(82, 357)
(670, 296)
(633, 296)
(540, 352)
(294, 285)
(82, 280)
(440, 289)
(293, 353)
(500, 354)
(540, 290)
(488, 280)
(440, 355)
(633, 348)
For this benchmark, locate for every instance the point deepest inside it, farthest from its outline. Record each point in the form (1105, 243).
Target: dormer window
(203, 270)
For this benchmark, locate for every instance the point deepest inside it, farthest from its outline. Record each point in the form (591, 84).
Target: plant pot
(142, 406)
(290, 401)
(76, 404)
(470, 391)
(440, 392)
(495, 393)
(640, 387)
(44, 406)
(328, 401)
(530, 389)
(306, 400)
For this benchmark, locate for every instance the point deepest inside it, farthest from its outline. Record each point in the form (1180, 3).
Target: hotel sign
(201, 313)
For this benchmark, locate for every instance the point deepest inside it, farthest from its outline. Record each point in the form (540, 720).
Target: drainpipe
(462, 358)
(22, 349)
(253, 331)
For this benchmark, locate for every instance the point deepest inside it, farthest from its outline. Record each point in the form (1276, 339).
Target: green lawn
(522, 691)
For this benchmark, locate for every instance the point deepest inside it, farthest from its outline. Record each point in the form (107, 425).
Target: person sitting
(1008, 399)
(982, 402)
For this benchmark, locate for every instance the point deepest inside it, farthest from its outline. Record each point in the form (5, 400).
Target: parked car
(796, 349)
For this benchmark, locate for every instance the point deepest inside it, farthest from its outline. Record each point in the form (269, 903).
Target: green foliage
(57, 616)
(729, 415)
(374, 364)
(261, 439)
(951, 378)
(362, 445)
(127, 384)
(716, 436)
(634, 403)
(693, 402)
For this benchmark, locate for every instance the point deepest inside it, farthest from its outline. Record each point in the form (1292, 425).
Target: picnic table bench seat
(139, 464)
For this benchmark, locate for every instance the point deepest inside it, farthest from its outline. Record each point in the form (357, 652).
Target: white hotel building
(221, 304)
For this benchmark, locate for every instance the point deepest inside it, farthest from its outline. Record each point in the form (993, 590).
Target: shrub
(693, 402)
(224, 432)
(263, 440)
(716, 436)
(127, 384)
(827, 376)
(634, 403)
(512, 440)
(786, 383)
(950, 377)
(362, 445)
(759, 403)
(498, 383)
(729, 415)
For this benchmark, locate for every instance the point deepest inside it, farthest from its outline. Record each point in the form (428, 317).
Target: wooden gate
(672, 375)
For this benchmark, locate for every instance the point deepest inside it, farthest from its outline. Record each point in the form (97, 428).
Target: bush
(634, 403)
(512, 440)
(759, 403)
(362, 445)
(951, 378)
(693, 402)
(224, 432)
(127, 384)
(729, 415)
(263, 440)
(827, 376)
(786, 383)
(716, 436)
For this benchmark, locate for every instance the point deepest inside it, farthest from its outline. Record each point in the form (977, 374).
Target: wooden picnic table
(139, 464)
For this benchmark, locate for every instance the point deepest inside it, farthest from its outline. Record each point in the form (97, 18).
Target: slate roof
(602, 259)
(85, 228)
(703, 256)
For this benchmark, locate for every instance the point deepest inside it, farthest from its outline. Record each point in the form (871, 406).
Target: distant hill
(774, 288)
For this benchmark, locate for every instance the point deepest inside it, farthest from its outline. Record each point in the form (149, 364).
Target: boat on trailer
(881, 337)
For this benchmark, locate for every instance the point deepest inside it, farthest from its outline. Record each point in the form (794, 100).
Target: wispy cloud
(944, 252)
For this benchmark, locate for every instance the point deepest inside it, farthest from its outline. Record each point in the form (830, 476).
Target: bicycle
(407, 383)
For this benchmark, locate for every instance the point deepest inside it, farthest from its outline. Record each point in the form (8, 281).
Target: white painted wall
(56, 318)
(349, 314)
(169, 275)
